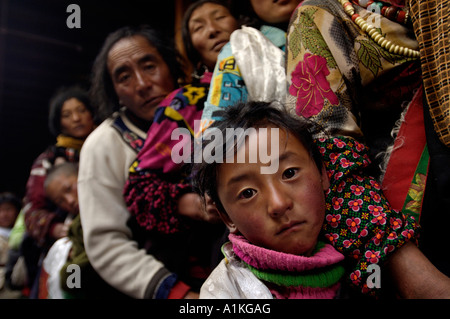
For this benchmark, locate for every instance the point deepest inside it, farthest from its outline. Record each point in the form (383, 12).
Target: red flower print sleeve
(359, 222)
(153, 201)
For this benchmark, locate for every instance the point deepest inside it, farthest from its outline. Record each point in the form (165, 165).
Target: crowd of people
(356, 105)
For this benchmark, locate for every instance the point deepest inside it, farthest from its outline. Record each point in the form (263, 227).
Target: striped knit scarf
(293, 277)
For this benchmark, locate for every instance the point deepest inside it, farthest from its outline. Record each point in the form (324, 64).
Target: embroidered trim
(130, 138)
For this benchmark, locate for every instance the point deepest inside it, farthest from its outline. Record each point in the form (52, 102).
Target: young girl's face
(274, 11)
(282, 211)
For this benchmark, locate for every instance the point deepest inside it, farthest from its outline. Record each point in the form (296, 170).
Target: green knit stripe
(317, 278)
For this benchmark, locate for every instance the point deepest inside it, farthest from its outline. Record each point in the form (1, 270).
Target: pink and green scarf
(290, 276)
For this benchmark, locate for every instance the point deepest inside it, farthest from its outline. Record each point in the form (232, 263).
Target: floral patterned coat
(339, 77)
(359, 221)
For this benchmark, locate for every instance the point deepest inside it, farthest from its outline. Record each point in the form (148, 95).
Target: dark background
(39, 53)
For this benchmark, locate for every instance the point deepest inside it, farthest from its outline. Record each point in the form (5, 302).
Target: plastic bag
(232, 280)
(53, 262)
(261, 64)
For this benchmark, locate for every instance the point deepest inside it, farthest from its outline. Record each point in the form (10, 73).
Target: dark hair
(191, 53)
(252, 115)
(8, 197)
(57, 101)
(102, 90)
(246, 15)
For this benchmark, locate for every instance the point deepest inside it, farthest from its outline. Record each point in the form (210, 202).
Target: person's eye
(81, 109)
(247, 193)
(290, 173)
(150, 67)
(197, 28)
(123, 77)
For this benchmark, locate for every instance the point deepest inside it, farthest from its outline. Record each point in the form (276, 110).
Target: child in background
(281, 225)
(10, 206)
(61, 187)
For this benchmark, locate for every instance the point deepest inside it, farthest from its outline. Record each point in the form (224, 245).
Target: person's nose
(212, 29)
(70, 200)
(143, 83)
(278, 202)
(76, 116)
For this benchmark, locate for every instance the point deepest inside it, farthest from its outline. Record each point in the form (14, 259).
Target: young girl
(281, 225)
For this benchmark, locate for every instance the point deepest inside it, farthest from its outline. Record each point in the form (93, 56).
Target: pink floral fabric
(310, 86)
(359, 222)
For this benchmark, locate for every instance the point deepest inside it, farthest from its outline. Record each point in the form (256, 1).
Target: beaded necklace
(375, 34)
(393, 13)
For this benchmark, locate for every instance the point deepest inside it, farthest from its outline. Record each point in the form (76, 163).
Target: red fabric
(42, 290)
(179, 291)
(408, 148)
